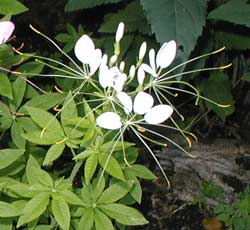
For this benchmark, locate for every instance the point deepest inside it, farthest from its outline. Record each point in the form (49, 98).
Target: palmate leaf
(102, 221)
(235, 11)
(8, 156)
(87, 219)
(179, 20)
(8, 210)
(5, 86)
(85, 4)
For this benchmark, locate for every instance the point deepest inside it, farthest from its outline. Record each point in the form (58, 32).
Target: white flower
(119, 32)
(163, 59)
(109, 120)
(86, 53)
(6, 29)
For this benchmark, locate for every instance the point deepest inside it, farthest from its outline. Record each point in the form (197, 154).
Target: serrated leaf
(60, 210)
(181, 21)
(102, 221)
(34, 208)
(114, 193)
(111, 166)
(11, 7)
(87, 219)
(8, 156)
(234, 11)
(141, 171)
(35, 175)
(53, 153)
(5, 86)
(132, 16)
(90, 167)
(8, 210)
(124, 214)
(218, 88)
(73, 5)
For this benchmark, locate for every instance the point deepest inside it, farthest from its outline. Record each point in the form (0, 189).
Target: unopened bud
(142, 50)
(119, 32)
(113, 60)
(122, 66)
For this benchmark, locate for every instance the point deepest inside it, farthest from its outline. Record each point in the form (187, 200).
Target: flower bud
(142, 50)
(119, 32)
(122, 66)
(113, 60)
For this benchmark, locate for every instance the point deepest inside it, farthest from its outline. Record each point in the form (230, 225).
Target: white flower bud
(113, 60)
(142, 50)
(132, 71)
(122, 66)
(119, 32)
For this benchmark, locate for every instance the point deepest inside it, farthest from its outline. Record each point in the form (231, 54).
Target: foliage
(12, 7)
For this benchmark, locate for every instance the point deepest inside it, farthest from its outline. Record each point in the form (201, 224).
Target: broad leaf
(218, 89)
(114, 193)
(53, 153)
(102, 221)
(8, 210)
(5, 86)
(177, 20)
(141, 171)
(60, 210)
(34, 208)
(78, 5)
(132, 16)
(235, 11)
(16, 134)
(5, 117)
(8, 156)
(90, 167)
(32, 68)
(124, 214)
(111, 166)
(11, 7)
(70, 197)
(87, 219)
(19, 87)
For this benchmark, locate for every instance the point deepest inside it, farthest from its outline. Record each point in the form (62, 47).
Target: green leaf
(5, 86)
(234, 11)
(111, 166)
(34, 208)
(83, 155)
(102, 221)
(136, 190)
(124, 214)
(8, 210)
(6, 223)
(45, 120)
(246, 76)
(60, 210)
(90, 167)
(141, 171)
(70, 197)
(177, 20)
(11, 7)
(19, 87)
(16, 135)
(8, 156)
(44, 101)
(132, 16)
(73, 5)
(5, 117)
(36, 175)
(33, 68)
(53, 153)
(218, 89)
(114, 193)
(87, 219)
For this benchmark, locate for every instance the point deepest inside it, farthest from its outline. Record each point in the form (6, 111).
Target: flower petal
(6, 29)
(158, 114)
(151, 55)
(166, 54)
(84, 49)
(95, 61)
(143, 102)
(119, 32)
(149, 70)
(105, 79)
(126, 101)
(109, 120)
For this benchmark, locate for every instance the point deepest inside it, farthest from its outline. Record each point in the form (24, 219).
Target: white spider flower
(119, 32)
(86, 53)
(6, 29)
(163, 59)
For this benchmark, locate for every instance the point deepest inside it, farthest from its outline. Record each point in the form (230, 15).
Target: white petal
(142, 50)
(109, 120)
(151, 55)
(84, 49)
(166, 54)
(119, 82)
(143, 102)
(140, 75)
(105, 79)
(149, 70)
(6, 29)
(95, 61)
(158, 114)
(126, 101)
(119, 32)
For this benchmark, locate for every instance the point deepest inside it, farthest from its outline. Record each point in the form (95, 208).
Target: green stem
(76, 168)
